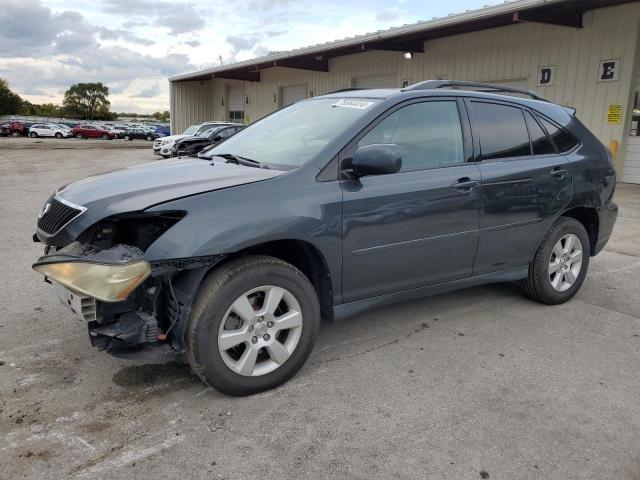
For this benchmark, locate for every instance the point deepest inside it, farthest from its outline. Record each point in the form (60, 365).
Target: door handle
(559, 172)
(464, 184)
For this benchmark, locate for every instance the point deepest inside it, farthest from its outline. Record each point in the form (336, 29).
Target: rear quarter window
(563, 139)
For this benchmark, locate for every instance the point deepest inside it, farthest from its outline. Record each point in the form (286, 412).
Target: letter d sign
(546, 76)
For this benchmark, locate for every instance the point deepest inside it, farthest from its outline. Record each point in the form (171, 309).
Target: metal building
(581, 53)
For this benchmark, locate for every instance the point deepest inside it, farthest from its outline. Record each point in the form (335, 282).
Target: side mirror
(217, 138)
(376, 159)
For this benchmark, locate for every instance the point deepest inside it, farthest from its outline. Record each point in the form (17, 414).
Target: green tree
(10, 102)
(87, 100)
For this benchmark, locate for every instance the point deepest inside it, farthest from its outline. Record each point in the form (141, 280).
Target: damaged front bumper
(126, 301)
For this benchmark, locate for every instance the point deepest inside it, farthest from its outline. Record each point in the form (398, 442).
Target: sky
(133, 46)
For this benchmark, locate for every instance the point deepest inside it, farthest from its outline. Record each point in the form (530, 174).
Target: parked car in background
(119, 130)
(92, 131)
(48, 130)
(163, 146)
(192, 145)
(15, 129)
(139, 134)
(162, 131)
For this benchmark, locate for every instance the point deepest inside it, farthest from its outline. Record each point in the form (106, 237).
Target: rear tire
(127, 137)
(560, 264)
(58, 135)
(149, 138)
(79, 136)
(105, 136)
(276, 356)
(33, 135)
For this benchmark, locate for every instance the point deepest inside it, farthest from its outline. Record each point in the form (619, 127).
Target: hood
(141, 186)
(174, 137)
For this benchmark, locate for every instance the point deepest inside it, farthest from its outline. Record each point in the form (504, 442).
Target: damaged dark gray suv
(326, 208)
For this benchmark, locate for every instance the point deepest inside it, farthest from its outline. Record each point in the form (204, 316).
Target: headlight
(109, 283)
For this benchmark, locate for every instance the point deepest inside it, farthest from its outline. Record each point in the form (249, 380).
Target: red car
(92, 131)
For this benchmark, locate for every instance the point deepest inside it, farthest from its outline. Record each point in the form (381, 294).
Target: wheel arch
(590, 220)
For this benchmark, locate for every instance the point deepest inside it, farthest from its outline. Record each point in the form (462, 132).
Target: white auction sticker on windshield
(349, 103)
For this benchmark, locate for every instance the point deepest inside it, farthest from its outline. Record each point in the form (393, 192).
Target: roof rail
(478, 86)
(340, 90)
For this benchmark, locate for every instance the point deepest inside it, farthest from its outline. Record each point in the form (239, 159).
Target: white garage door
(387, 81)
(236, 99)
(293, 94)
(631, 171)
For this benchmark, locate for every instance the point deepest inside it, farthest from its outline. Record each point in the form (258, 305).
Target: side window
(539, 140)
(502, 130)
(428, 134)
(563, 139)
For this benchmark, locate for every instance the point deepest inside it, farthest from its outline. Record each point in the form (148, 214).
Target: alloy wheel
(260, 331)
(565, 262)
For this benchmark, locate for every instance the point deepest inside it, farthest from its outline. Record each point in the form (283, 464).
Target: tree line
(84, 101)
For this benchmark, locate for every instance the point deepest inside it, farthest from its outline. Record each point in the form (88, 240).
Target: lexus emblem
(44, 209)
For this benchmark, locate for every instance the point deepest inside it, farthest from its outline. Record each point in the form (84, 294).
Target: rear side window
(427, 134)
(539, 140)
(563, 139)
(502, 130)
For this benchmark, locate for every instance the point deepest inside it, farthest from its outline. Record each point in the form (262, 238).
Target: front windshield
(191, 130)
(296, 134)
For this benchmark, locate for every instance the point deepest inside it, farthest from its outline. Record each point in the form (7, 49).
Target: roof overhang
(410, 38)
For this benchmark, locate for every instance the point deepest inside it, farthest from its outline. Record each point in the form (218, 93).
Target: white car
(49, 130)
(162, 146)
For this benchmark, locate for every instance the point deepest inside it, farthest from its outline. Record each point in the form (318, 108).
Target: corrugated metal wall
(507, 53)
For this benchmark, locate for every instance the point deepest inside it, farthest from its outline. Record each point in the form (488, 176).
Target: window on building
(236, 116)
(502, 130)
(539, 140)
(564, 140)
(428, 135)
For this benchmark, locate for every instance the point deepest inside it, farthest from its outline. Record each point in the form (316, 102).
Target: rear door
(525, 183)
(419, 226)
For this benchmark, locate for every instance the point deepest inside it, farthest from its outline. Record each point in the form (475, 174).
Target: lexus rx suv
(324, 209)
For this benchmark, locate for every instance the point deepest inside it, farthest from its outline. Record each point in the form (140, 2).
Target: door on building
(236, 104)
(292, 94)
(426, 214)
(631, 172)
(385, 81)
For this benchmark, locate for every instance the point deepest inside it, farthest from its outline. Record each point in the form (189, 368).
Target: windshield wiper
(238, 160)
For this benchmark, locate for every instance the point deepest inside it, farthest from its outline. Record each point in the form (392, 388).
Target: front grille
(57, 216)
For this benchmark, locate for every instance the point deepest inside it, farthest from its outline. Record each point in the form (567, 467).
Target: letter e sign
(546, 76)
(609, 70)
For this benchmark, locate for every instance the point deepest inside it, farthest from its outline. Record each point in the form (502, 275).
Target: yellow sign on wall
(614, 114)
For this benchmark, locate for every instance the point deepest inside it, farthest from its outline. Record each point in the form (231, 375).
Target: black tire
(79, 136)
(538, 286)
(105, 136)
(58, 135)
(127, 137)
(149, 138)
(217, 292)
(33, 135)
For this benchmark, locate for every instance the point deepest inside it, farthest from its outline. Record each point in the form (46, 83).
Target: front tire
(105, 136)
(560, 264)
(253, 326)
(58, 135)
(33, 135)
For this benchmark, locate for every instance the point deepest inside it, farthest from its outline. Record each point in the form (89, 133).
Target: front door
(419, 226)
